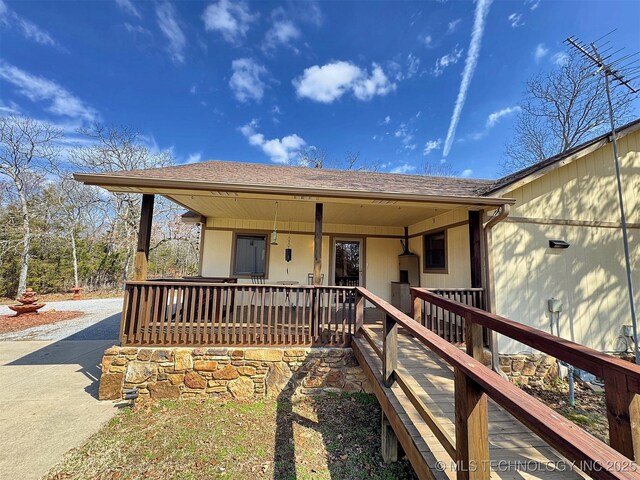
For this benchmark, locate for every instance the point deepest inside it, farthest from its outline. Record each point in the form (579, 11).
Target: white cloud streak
(279, 150)
(495, 117)
(39, 89)
(127, 6)
(447, 60)
(329, 82)
(29, 30)
(246, 81)
(169, 26)
(431, 145)
(404, 169)
(480, 16)
(231, 19)
(515, 19)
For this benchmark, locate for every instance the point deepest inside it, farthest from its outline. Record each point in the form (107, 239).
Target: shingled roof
(217, 172)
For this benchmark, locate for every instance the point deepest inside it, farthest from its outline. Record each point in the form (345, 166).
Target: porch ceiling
(364, 212)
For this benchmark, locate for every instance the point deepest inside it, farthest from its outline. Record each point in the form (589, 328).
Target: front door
(347, 262)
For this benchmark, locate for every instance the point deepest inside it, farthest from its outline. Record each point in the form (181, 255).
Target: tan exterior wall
(458, 257)
(589, 276)
(381, 249)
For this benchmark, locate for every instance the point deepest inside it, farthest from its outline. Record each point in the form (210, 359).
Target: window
(435, 252)
(250, 254)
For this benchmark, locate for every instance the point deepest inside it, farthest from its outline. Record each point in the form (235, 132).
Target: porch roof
(224, 176)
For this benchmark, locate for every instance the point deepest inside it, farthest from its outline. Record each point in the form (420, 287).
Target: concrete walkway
(49, 384)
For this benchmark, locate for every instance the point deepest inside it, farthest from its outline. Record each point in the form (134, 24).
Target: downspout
(490, 299)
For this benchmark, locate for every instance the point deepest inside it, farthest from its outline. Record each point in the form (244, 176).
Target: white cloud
(534, 4)
(405, 169)
(466, 173)
(231, 19)
(38, 89)
(480, 16)
(29, 30)
(452, 26)
(329, 82)
(540, 52)
(282, 33)
(431, 145)
(495, 117)
(128, 7)
(194, 158)
(168, 23)
(446, 60)
(427, 40)
(406, 136)
(560, 58)
(413, 65)
(136, 29)
(246, 81)
(279, 150)
(386, 120)
(515, 19)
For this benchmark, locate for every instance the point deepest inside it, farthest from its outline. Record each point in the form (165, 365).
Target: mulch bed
(11, 323)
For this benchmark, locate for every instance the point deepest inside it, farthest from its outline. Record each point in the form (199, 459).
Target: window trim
(445, 269)
(244, 233)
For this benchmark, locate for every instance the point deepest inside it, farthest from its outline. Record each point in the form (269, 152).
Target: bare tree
(561, 109)
(312, 157)
(115, 149)
(25, 145)
(439, 169)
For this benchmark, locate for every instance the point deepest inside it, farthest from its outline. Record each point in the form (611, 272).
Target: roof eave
(111, 181)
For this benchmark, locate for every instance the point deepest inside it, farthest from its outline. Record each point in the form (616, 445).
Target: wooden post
(472, 429)
(389, 442)
(317, 248)
(360, 301)
(473, 337)
(623, 414)
(475, 248)
(416, 309)
(141, 259)
(389, 351)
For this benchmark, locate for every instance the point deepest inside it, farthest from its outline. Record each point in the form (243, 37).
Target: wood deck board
(432, 379)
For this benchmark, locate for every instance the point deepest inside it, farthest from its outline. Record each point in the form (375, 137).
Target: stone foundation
(240, 373)
(529, 369)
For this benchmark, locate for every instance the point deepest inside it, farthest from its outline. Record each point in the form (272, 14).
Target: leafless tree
(312, 157)
(561, 109)
(438, 169)
(25, 145)
(116, 148)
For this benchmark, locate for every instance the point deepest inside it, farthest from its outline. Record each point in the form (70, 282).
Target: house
(287, 225)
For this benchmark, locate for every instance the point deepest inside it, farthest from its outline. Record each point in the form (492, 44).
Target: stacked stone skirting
(529, 369)
(241, 373)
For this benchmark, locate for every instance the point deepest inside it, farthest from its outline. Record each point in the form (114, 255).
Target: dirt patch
(336, 437)
(589, 412)
(11, 323)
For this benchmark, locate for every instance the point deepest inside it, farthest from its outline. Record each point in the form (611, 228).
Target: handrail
(579, 356)
(181, 283)
(474, 381)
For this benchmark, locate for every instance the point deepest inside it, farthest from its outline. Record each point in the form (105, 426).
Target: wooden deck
(515, 452)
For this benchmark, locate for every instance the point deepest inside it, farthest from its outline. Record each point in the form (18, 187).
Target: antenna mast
(609, 68)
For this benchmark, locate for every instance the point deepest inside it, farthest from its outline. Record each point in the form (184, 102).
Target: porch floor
(515, 452)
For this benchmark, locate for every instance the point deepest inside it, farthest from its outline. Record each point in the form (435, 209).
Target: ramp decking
(515, 452)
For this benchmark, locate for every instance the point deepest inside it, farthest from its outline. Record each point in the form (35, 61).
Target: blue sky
(259, 81)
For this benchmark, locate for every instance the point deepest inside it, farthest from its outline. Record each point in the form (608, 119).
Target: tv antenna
(614, 67)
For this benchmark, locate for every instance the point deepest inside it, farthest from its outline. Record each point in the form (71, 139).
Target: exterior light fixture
(558, 244)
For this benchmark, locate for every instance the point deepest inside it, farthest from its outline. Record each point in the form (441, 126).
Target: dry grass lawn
(335, 437)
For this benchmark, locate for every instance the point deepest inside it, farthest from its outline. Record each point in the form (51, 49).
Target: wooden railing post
(389, 351)
(623, 414)
(473, 338)
(360, 301)
(472, 429)
(416, 308)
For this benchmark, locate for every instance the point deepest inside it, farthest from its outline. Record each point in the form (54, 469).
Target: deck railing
(445, 323)
(475, 383)
(191, 314)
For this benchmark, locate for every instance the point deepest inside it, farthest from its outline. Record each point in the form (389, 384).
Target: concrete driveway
(49, 387)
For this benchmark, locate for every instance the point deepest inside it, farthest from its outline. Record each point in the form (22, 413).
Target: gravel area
(101, 321)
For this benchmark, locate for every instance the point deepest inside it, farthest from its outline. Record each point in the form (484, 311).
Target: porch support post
(141, 260)
(317, 247)
(475, 248)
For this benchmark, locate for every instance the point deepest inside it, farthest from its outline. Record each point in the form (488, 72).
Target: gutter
(489, 282)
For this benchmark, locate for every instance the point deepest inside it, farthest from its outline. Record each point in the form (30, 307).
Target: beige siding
(589, 276)
(381, 257)
(458, 257)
